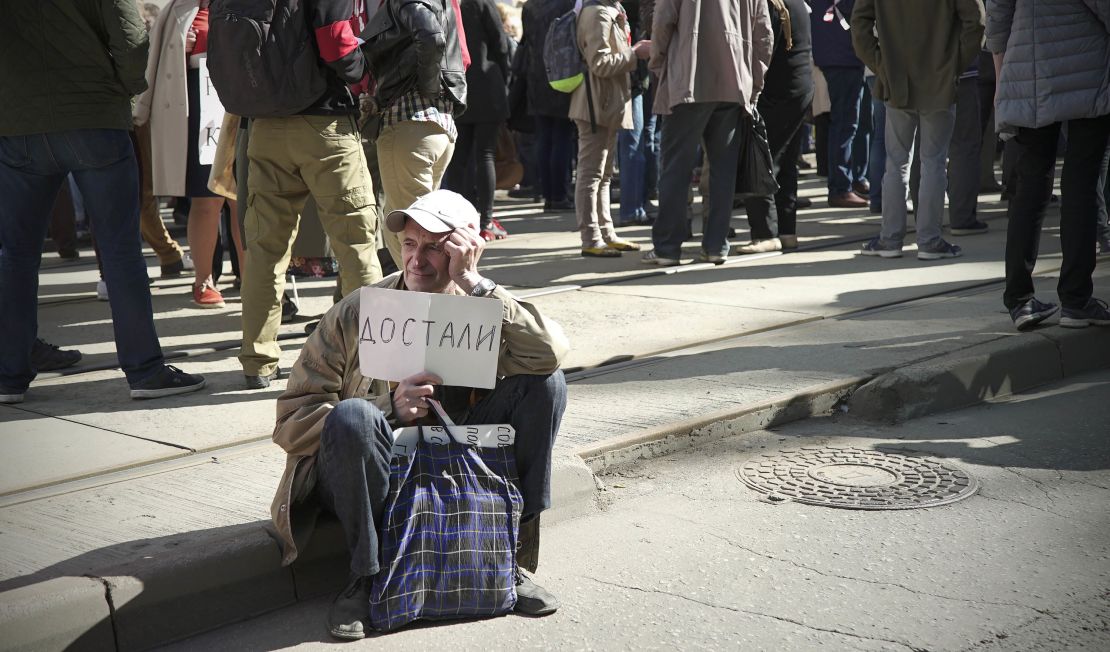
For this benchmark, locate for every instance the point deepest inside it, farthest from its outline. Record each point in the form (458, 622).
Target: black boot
(349, 616)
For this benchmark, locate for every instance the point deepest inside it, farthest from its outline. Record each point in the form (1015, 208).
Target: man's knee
(355, 427)
(553, 386)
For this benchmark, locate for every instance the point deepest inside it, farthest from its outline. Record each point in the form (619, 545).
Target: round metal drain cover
(854, 478)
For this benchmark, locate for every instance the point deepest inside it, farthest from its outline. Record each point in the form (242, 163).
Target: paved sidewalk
(163, 505)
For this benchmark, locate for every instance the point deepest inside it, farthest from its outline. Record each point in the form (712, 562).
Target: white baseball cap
(439, 211)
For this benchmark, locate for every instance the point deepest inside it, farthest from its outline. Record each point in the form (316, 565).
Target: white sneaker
(101, 290)
(187, 261)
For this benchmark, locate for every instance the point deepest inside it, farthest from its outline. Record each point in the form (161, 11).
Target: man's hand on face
(464, 247)
(410, 397)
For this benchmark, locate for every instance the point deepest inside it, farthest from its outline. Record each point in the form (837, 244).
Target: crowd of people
(388, 127)
(891, 108)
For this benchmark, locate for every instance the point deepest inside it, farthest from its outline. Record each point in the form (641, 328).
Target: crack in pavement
(870, 581)
(784, 619)
(1015, 501)
(1064, 611)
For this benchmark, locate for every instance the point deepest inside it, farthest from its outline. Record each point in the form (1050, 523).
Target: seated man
(337, 425)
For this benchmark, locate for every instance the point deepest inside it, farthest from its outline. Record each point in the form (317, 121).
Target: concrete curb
(994, 369)
(193, 584)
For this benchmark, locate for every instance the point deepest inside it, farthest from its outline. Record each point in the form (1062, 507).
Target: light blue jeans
(936, 132)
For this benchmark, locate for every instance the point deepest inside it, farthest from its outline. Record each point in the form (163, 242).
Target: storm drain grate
(854, 478)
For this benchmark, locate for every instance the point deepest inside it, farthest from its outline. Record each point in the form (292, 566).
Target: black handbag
(755, 172)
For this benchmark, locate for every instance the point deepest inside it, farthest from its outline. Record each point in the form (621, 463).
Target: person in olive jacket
(68, 70)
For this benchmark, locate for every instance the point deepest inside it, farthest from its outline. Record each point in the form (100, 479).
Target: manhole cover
(854, 478)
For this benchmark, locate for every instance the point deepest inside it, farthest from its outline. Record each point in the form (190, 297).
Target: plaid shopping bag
(448, 537)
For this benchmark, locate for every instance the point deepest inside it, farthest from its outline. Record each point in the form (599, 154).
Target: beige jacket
(327, 372)
(603, 40)
(165, 104)
(221, 180)
(709, 51)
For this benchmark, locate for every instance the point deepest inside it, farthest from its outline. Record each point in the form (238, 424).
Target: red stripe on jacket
(336, 41)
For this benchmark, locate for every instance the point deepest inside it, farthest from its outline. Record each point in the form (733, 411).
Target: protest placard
(402, 333)
(211, 116)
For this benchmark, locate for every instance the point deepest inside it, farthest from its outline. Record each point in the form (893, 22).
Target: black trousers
(772, 216)
(963, 156)
(472, 172)
(1035, 155)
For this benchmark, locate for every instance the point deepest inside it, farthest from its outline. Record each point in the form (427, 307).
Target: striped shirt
(414, 106)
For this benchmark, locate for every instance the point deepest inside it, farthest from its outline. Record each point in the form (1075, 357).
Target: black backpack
(262, 57)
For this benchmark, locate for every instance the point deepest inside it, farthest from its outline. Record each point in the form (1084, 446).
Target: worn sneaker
(711, 258)
(532, 599)
(1094, 313)
(48, 357)
(600, 252)
(759, 246)
(1031, 313)
(101, 290)
(289, 309)
(942, 249)
(174, 269)
(623, 245)
(167, 381)
(651, 258)
(10, 396)
(207, 296)
(349, 615)
(975, 228)
(874, 247)
(262, 382)
(500, 231)
(789, 242)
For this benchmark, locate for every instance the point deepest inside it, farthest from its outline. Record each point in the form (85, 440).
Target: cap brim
(395, 221)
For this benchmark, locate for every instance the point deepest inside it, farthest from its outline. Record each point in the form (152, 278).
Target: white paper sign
(402, 333)
(484, 436)
(211, 116)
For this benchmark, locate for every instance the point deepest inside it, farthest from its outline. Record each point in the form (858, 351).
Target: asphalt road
(685, 556)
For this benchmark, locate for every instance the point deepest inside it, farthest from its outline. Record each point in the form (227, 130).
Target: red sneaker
(495, 227)
(206, 296)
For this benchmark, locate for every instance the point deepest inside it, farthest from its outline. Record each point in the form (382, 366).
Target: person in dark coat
(555, 134)
(784, 104)
(471, 172)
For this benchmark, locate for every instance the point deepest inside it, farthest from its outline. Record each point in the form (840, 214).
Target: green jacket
(917, 48)
(69, 64)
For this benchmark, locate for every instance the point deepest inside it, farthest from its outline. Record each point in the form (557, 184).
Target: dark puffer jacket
(70, 64)
(1057, 61)
(415, 44)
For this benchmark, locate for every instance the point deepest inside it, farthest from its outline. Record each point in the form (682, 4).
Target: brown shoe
(847, 200)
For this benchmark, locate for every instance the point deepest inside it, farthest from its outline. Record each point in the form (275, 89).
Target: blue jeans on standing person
(555, 139)
(686, 126)
(652, 139)
(631, 147)
(878, 149)
(845, 95)
(352, 466)
(32, 169)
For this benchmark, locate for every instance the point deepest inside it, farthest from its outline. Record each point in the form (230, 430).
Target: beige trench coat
(327, 372)
(165, 104)
(709, 51)
(603, 41)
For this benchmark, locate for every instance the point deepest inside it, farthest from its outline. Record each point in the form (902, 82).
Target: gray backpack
(563, 61)
(262, 57)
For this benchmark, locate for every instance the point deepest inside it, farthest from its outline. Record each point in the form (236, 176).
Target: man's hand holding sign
(438, 330)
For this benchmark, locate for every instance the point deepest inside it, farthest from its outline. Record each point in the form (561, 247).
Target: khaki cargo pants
(288, 159)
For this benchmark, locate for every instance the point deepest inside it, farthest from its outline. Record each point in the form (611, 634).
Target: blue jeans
(846, 95)
(352, 466)
(878, 148)
(555, 139)
(683, 130)
(32, 169)
(631, 144)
